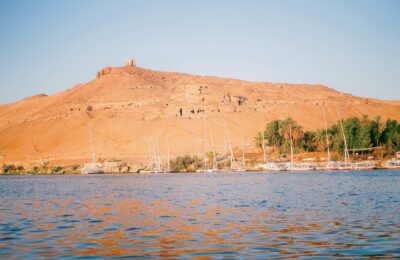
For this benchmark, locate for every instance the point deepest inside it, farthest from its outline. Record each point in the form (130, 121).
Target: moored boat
(273, 166)
(212, 170)
(152, 171)
(365, 165)
(345, 166)
(393, 164)
(300, 167)
(332, 166)
(91, 168)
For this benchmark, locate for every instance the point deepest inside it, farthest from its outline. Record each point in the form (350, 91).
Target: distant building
(131, 62)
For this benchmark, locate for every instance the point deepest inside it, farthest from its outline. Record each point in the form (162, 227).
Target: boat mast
(225, 148)
(168, 157)
(204, 144)
(158, 155)
(214, 162)
(326, 134)
(263, 141)
(290, 134)
(232, 158)
(91, 143)
(153, 153)
(346, 151)
(243, 159)
(226, 132)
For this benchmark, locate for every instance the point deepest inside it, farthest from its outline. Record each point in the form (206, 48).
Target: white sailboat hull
(276, 167)
(367, 165)
(393, 164)
(297, 167)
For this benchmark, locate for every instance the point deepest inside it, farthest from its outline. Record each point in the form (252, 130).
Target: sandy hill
(131, 110)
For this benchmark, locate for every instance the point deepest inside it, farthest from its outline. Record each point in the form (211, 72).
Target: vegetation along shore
(367, 139)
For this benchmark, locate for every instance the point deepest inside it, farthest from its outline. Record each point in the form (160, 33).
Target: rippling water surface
(240, 215)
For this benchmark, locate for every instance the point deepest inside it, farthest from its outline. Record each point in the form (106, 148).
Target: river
(236, 216)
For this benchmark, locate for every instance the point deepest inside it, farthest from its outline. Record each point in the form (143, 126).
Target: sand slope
(131, 110)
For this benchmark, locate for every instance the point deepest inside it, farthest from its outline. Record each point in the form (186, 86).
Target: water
(238, 216)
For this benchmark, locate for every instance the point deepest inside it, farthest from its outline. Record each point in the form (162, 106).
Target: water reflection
(248, 215)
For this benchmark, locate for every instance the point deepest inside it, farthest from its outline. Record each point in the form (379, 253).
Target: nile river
(238, 216)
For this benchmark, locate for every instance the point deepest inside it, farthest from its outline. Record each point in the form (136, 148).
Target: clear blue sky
(352, 46)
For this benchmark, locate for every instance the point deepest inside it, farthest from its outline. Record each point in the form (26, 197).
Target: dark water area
(237, 216)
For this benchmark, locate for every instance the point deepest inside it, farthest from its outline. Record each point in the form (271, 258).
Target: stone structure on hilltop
(131, 62)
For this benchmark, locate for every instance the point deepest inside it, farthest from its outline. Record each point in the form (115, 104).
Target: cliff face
(131, 110)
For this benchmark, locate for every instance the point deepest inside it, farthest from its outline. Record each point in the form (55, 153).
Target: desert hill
(131, 110)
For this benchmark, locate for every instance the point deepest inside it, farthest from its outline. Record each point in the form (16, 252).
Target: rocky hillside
(131, 110)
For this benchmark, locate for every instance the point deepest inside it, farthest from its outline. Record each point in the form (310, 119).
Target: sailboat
(214, 167)
(242, 166)
(92, 167)
(347, 164)
(292, 166)
(273, 166)
(394, 163)
(365, 165)
(155, 160)
(267, 165)
(168, 158)
(330, 165)
(156, 156)
(231, 157)
(205, 159)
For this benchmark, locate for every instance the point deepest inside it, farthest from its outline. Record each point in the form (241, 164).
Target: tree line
(360, 132)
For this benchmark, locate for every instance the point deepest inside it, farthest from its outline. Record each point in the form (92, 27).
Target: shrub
(56, 169)
(12, 169)
(35, 170)
(185, 164)
(9, 168)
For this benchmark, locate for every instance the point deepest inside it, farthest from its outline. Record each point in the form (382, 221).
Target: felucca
(394, 163)
(347, 164)
(91, 168)
(293, 166)
(214, 153)
(155, 159)
(330, 165)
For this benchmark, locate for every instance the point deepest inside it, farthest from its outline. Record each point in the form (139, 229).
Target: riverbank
(199, 172)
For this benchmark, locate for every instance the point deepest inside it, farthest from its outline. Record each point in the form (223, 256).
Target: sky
(352, 46)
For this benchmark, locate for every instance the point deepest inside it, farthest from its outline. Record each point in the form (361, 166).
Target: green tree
(309, 143)
(320, 140)
(377, 127)
(272, 134)
(351, 128)
(359, 132)
(291, 129)
(364, 134)
(391, 136)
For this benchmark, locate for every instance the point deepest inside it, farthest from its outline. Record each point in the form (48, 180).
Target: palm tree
(291, 129)
(379, 128)
(259, 139)
(320, 140)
